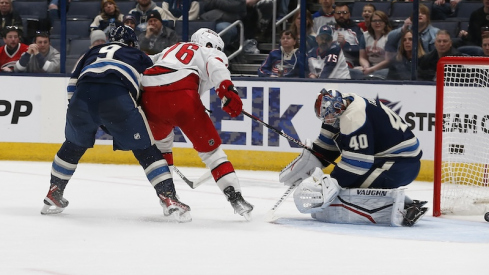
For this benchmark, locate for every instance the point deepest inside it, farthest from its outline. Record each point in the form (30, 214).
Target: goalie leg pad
(301, 167)
(365, 206)
(316, 192)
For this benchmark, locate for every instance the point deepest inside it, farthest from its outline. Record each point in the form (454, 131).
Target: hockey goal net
(461, 175)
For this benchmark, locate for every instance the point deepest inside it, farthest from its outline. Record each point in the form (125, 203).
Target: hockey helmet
(207, 37)
(329, 106)
(125, 35)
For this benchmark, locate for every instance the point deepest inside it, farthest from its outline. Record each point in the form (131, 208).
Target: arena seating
(82, 12)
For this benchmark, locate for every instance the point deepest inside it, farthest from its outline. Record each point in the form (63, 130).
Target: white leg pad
(301, 167)
(365, 206)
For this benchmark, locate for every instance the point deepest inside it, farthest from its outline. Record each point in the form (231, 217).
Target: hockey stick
(194, 184)
(270, 215)
(298, 142)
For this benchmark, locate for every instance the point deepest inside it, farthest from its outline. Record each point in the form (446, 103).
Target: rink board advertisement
(287, 106)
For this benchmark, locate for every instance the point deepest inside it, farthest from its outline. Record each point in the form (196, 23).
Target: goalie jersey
(370, 135)
(112, 58)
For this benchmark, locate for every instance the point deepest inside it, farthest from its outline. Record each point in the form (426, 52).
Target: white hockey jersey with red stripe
(182, 60)
(7, 60)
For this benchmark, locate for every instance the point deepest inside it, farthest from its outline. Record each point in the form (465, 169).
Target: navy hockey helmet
(125, 35)
(329, 106)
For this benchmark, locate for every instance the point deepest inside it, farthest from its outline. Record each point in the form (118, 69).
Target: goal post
(461, 165)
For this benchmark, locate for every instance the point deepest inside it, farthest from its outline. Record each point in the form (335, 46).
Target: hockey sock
(168, 157)
(156, 169)
(65, 162)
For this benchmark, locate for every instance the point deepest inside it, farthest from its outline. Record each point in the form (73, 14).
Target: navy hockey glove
(230, 99)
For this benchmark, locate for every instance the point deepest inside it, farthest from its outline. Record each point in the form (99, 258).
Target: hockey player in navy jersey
(377, 148)
(327, 59)
(103, 91)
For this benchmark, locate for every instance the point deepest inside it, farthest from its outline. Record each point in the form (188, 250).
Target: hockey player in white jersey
(171, 98)
(379, 154)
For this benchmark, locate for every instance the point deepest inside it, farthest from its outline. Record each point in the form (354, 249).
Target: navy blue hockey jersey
(369, 132)
(328, 64)
(113, 58)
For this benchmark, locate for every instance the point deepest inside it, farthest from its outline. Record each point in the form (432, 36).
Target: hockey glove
(230, 99)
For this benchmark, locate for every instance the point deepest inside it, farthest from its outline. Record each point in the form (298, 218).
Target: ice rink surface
(114, 225)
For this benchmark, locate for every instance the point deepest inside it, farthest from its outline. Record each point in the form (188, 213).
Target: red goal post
(461, 165)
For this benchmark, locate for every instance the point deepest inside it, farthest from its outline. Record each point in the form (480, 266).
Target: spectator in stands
(400, 66)
(310, 33)
(285, 61)
(12, 50)
(327, 59)
(53, 10)
(443, 47)
(141, 13)
(367, 12)
(442, 9)
(373, 58)
(347, 34)
(40, 57)
(324, 16)
(173, 9)
(485, 44)
(156, 37)
(97, 37)
(8, 16)
(110, 17)
(426, 32)
(224, 12)
(478, 25)
(130, 21)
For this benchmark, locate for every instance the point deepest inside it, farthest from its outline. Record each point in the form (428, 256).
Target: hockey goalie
(379, 156)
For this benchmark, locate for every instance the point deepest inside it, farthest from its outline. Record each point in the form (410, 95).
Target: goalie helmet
(124, 35)
(329, 106)
(207, 38)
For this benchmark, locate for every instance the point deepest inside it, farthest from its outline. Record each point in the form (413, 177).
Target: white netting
(465, 147)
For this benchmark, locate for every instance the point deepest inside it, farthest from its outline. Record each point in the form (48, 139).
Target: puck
(486, 217)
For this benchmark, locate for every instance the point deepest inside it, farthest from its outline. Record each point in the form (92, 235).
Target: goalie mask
(329, 106)
(207, 38)
(124, 35)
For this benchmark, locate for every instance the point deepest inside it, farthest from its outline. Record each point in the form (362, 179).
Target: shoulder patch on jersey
(355, 115)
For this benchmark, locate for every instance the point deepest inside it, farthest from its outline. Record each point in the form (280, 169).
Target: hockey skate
(413, 212)
(173, 207)
(54, 202)
(240, 206)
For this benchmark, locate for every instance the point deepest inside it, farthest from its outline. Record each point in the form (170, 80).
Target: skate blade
(181, 218)
(51, 209)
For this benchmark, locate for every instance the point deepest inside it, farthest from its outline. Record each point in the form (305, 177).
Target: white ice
(114, 225)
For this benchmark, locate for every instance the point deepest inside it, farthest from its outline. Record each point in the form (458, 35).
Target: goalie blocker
(321, 196)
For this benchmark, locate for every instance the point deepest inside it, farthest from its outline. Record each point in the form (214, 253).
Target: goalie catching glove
(316, 192)
(231, 102)
(301, 167)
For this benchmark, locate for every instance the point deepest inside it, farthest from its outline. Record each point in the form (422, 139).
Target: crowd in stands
(375, 49)
(337, 46)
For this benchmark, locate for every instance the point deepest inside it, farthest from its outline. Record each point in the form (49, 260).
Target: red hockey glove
(230, 99)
